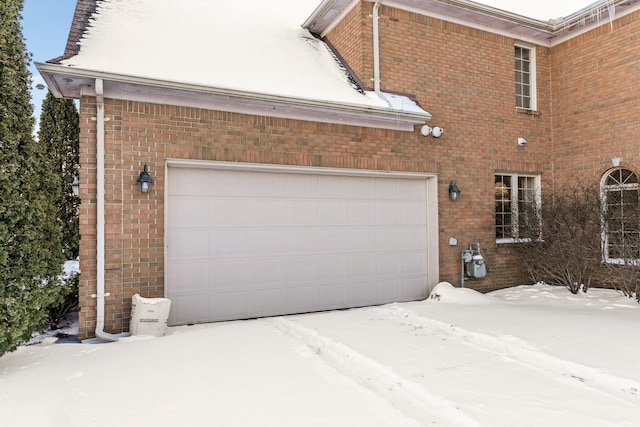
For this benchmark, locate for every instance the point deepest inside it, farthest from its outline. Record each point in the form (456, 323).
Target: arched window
(621, 216)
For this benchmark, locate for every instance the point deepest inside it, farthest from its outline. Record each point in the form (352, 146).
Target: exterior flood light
(435, 132)
(144, 180)
(454, 191)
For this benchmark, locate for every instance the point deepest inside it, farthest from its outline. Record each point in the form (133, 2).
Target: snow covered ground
(526, 356)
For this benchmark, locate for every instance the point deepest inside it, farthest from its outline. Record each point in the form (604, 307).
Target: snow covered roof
(241, 48)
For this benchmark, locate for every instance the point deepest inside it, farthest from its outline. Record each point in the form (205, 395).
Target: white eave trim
(487, 18)
(293, 169)
(133, 88)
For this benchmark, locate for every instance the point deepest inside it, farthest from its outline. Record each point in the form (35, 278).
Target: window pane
(523, 80)
(622, 215)
(503, 206)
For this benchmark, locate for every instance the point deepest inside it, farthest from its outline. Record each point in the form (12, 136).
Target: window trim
(533, 98)
(514, 203)
(603, 193)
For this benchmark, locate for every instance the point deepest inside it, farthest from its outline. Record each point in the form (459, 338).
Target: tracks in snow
(411, 398)
(520, 351)
(415, 399)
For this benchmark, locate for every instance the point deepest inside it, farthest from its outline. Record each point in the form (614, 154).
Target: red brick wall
(596, 102)
(464, 77)
(141, 133)
(352, 38)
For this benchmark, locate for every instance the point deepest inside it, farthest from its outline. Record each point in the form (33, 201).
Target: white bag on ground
(149, 316)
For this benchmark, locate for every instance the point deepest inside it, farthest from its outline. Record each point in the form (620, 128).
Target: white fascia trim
(313, 170)
(465, 23)
(322, 9)
(572, 34)
(191, 95)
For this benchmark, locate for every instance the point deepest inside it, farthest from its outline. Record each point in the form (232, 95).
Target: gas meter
(473, 262)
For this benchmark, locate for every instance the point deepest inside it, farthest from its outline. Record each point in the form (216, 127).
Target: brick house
(292, 172)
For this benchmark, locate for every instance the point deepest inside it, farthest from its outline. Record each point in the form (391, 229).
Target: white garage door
(248, 241)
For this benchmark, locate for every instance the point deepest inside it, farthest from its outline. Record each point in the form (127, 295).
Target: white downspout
(100, 235)
(376, 49)
(376, 54)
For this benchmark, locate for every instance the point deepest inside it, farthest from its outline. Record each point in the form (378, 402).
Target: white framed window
(620, 192)
(525, 77)
(517, 203)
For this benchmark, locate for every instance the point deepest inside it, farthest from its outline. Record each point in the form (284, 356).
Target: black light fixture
(144, 180)
(454, 191)
(75, 186)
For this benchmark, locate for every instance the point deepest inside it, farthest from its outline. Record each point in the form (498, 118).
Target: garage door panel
(360, 293)
(191, 276)
(332, 212)
(228, 211)
(268, 184)
(269, 212)
(333, 296)
(301, 241)
(413, 289)
(301, 212)
(227, 274)
(414, 212)
(359, 188)
(388, 264)
(267, 302)
(191, 211)
(412, 190)
(300, 186)
(388, 189)
(329, 186)
(387, 212)
(188, 244)
(332, 239)
(227, 305)
(301, 299)
(412, 239)
(360, 239)
(332, 268)
(301, 270)
(190, 308)
(389, 238)
(269, 272)
(413, 264)
(388, 289)
(361, 212)
(256, 243)
(182, 184)
(227, 243)
(269, 241)
(361, 265)
(224, 183)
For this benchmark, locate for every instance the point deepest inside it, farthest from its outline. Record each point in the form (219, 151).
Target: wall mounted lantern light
(454, 191)
(144, 180)
(75, 186)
